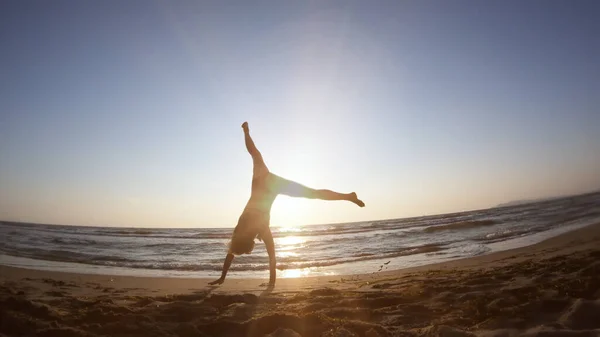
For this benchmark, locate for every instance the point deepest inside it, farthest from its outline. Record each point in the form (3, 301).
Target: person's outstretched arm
(293, 189)
(226, 266)
(267, 237)
(260, 167)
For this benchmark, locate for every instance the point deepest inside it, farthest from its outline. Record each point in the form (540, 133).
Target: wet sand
(548, 289)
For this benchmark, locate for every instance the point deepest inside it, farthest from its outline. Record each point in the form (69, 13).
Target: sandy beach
(549, 289)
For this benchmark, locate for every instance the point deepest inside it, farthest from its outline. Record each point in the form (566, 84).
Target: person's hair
(241, 245)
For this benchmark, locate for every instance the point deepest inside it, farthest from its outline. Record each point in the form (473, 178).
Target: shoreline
(247, 284)
(399, 263)
(551, 288)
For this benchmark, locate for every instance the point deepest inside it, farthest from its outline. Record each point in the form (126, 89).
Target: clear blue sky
(128, 113)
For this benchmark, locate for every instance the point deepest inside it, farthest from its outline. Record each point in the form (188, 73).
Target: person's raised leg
(332, 195)
(294, 189)
(260, 168)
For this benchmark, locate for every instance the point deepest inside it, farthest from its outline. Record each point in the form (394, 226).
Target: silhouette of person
(254, 221)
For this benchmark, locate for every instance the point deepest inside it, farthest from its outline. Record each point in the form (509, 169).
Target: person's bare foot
(355, 200)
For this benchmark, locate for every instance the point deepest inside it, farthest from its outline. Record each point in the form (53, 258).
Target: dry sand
(549, 289)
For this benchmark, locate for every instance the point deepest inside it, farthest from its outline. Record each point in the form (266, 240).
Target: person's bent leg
(226, 266)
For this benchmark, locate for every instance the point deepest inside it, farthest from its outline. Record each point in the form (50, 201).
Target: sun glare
(295, 273)
(303, 272)
(289, 242)
(290, 228)
(288, 211)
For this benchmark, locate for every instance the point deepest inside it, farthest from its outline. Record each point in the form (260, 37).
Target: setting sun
(288, 211)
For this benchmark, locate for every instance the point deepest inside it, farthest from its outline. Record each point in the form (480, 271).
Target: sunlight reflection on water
(290, 229)
(288, 244)
(289, 240)
(287, 254)
(295, 273)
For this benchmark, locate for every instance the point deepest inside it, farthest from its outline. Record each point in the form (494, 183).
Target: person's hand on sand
(219, 281)
(245, 127)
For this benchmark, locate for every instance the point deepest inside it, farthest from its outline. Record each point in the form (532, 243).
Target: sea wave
(248, 263)
(285, 264)
(226, 234)
(346, 247)
(460, 225)
(73, 241)
(501, 235)
(64, 256)
(132, 232)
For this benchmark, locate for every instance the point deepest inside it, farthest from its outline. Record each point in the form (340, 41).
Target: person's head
(241, 244)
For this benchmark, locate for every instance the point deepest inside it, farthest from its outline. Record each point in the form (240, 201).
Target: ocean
(333, 249)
